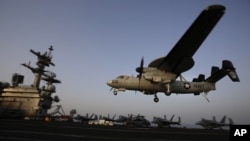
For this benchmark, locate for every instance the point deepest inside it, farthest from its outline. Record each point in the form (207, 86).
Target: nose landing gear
(115, 92)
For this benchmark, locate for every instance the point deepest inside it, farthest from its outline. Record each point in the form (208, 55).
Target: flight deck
(16, 130)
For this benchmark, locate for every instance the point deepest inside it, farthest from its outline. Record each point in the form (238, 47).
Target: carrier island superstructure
(18, 101)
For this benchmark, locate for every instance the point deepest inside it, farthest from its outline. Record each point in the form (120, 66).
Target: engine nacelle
(157, 79)
(150, 78)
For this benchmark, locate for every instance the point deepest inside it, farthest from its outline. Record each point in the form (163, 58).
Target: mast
(43, 60)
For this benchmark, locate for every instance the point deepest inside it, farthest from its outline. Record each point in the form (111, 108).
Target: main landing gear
(167, 93)
(168, 89)
(156, 99)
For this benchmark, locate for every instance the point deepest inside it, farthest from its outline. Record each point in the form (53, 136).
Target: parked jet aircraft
(211, 124)
(137, 121)
(108, 118)
(79, 118)
(161, 74)
(164, 122)
(122, 119)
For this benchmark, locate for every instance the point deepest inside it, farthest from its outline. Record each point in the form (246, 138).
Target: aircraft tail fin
(179, 120)
(200, 78)
(90, 115)
(231, 122)
(223, 119)
(172, 117)
(227, 69)
(214, 119)
(113, 118)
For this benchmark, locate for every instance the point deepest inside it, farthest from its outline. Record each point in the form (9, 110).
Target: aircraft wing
(179, 59)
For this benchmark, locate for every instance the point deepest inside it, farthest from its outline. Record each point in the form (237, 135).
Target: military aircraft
(211, 124)
(79, 118)
(137, 121)
(108, 118)
(122, 119)
(161, 122)
(162, 73)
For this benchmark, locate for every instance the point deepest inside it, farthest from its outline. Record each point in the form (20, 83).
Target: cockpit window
(114, 81)
(122, 77)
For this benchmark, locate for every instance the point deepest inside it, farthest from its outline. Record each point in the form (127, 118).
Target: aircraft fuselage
(149, 87)
(209, 124)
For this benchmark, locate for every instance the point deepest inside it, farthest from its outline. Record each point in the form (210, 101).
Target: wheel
(115, 92)
(156, 99)
(167, 93)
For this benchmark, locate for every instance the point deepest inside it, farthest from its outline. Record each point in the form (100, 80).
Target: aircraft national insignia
(187, 86)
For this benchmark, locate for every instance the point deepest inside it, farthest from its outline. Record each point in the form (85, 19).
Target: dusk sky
(98, 40)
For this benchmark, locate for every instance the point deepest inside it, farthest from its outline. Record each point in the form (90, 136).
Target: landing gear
(205, 96)
(168, 89)
(156, 99)
(167, 93)
(115, 92)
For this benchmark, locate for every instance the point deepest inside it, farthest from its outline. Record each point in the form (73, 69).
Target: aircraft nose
(109, 82)
(198, 123)
(112, 83)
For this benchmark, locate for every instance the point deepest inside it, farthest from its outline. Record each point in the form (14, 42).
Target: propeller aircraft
(162, 73)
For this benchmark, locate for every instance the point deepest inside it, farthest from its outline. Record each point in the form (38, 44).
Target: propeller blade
(140, 68)
(140, 71)
(142, 62)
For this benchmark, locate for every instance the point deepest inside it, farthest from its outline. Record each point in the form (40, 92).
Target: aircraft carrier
(18, 101)
(27, 130)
